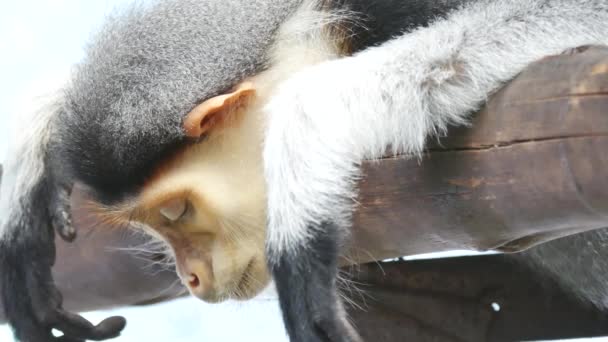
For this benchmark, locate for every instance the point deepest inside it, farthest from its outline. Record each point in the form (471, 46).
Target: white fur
(327, 119)
(24, 166)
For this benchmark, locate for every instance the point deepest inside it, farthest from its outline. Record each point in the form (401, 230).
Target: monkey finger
(67, 339)
(61, 213)
(46, 301)
(77, 327)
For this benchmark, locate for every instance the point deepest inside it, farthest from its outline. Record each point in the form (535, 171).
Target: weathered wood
(473, 299)
(529, 169)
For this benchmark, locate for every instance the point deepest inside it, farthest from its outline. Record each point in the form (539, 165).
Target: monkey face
(208, 204)
(213, 218)
(217, 255)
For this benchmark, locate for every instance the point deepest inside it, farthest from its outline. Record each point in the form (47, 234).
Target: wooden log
(529, 169)
(473, 299)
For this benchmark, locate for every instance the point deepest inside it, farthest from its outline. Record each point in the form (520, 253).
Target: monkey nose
(198, 277)
(193, 281)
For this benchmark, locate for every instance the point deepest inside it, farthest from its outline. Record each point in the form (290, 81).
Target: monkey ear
(209, 113)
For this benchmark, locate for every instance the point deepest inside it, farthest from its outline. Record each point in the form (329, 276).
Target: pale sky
(39, 40)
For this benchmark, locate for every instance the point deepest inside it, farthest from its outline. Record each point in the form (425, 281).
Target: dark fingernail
(111, 327)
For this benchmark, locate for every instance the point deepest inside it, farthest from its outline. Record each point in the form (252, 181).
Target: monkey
(72, 138)
(233, 131)
(63, 143)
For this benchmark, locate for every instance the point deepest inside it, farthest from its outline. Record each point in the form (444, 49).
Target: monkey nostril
(193, 281)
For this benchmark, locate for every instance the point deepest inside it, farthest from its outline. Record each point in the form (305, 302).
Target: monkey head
(207, 202)
(162, 124)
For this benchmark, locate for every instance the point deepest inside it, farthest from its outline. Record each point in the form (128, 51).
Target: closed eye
(173, 210)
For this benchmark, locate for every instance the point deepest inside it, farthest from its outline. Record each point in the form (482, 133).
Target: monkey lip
(243, 290)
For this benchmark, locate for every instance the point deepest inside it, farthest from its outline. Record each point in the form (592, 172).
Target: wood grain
(530, 168)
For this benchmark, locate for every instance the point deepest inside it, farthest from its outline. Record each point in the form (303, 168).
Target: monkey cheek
(253, 280)
(240, 285)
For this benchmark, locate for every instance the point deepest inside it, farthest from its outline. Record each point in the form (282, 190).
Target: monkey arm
(34, 204)
(326, 120)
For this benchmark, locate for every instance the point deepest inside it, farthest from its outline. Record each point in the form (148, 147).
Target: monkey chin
(242, 286)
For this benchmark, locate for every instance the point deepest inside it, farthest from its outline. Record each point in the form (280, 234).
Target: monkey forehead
(146, 68)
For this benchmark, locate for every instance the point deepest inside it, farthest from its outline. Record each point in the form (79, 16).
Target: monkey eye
(174, 209)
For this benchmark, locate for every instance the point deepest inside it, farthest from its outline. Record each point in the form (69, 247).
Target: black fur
(32, 303)
(382, 20)
(25, 263)
(306, 282)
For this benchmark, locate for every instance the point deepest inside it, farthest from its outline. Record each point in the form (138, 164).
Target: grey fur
(146, 69)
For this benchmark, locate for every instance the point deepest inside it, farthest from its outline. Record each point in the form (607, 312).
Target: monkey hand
(310, 165)
(32, 303)
(61, 213)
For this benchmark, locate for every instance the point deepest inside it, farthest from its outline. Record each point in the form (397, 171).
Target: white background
(39, 40)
